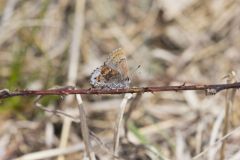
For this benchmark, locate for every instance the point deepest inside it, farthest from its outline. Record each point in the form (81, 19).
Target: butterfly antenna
(134, 71)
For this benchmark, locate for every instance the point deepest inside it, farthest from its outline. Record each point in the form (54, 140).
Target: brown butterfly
(113, 73)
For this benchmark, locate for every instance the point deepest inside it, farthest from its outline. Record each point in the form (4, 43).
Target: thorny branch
(209, 89)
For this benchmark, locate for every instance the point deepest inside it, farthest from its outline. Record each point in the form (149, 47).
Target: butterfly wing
(114, 72)
(106, 77)
(118, 61)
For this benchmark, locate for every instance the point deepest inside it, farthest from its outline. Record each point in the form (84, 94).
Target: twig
(209, 89)
(54, 111)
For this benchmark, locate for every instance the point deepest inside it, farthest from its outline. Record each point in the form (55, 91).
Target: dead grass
(55, 43)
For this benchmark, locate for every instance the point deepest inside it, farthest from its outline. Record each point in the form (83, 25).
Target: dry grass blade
(236, 130)
(119, 123)
(54, 111)
(84, 128)
(236, 156)
(181, 45)
(214, 135)
(74, 55)
(51, 153)
(65, 134)
(132, 107)
(76, 39)
(230, 94)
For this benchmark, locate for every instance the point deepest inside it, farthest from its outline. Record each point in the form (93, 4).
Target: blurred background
(45, 44)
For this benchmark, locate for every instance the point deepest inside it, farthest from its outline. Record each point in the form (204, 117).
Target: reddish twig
(209, 89)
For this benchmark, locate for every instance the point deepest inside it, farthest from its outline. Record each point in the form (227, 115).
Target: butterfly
(113, 73)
